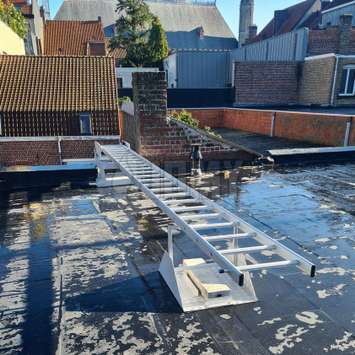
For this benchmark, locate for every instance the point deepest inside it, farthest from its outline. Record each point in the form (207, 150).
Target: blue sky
(264, 10)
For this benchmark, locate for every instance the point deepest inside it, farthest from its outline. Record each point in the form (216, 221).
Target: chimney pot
(253, 30)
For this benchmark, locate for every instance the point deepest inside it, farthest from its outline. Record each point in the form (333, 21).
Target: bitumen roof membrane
(79, 269)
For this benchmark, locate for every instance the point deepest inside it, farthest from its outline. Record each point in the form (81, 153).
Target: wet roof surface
(79, 270)
(258, 142)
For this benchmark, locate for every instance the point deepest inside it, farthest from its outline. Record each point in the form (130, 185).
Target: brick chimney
(280, 16)
(253, 30)
(246, 19)
(345, 31)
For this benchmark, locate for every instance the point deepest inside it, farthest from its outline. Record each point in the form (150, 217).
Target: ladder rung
(179, 202)
(227, 236)
(272, 265)
(162, 190)
(163, 196)
(148, 181)
(199, 216)
(149, 176)
(157, 184)
(247, 249)
(190, 208)
(138, 170)
(212, 226)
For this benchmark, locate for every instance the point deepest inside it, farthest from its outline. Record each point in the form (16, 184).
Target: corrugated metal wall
(287, 47)
(203, 69)
(332, 17)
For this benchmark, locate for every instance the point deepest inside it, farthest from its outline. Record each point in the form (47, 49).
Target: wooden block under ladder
(264, 266)
(207, 290)
(247, 250)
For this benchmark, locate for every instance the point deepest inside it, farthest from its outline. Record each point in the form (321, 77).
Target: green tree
(140, 34)
(157, 43)
(13, 18)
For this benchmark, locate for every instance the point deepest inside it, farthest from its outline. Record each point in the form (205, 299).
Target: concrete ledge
(56, 138)
(326, 155)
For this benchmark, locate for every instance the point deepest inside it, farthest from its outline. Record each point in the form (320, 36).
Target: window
(1, 133)
(347, 87)
(85, 124)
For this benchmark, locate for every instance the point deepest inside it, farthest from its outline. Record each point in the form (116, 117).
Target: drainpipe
(332, 99)
(60, 150)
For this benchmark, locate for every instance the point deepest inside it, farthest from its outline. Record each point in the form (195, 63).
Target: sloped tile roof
(70, 37)
(295, 14)
(117, 53)
(41, 83)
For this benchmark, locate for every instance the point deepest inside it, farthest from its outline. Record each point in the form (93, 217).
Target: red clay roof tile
(71, 37)
(42, 83)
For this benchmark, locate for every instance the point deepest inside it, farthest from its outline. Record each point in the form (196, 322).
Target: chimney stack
(246, 19)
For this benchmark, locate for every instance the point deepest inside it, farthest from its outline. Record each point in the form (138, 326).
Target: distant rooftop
(180, 20)
(191, 2)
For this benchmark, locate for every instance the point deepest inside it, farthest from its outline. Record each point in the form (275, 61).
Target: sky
(264, 10)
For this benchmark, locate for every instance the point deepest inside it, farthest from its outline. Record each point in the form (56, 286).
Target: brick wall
(340, 40)
(45, 150)
(266, 83)
(316, 81)
(320, 129)
(248, 120)
(47, 124)
(29, 153)
(323, 41)
(149, 131)
(314, 128)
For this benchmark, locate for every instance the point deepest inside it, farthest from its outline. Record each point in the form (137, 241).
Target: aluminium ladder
(197, 284)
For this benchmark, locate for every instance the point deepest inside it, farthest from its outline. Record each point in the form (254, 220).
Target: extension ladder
(223, 276)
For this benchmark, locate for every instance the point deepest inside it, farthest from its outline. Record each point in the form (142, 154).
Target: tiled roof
(70, 37)
(117, 53)
(294, 14)
(41, 83)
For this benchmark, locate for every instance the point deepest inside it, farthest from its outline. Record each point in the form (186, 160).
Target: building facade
(198, 37)
(10, 42)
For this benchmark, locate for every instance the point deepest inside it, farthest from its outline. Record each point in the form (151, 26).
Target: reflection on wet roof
(79, 269)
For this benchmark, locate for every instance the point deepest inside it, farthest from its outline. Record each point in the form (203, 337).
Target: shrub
(13, 18)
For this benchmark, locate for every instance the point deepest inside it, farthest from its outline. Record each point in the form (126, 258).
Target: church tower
(246, 20)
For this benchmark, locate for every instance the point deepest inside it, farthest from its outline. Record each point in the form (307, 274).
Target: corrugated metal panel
(287, 47)
(203, 69)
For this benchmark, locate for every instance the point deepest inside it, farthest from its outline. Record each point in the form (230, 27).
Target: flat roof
(79, 269)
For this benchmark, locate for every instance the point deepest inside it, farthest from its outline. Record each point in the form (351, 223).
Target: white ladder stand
(223, 277)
